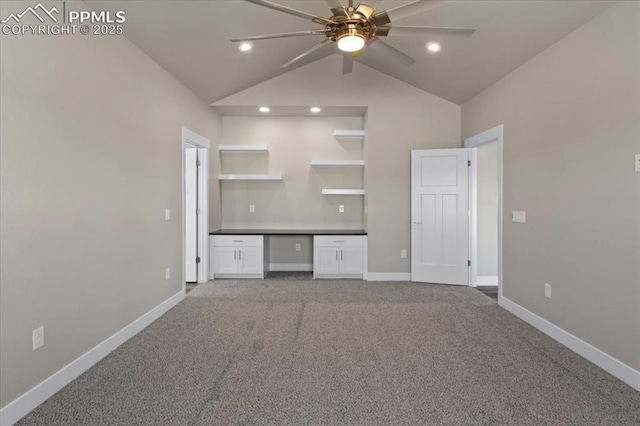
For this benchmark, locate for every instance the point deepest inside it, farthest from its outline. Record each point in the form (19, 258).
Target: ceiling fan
(353, 28)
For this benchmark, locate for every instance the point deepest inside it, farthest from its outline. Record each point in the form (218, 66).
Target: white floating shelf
(250, 177)
(348, 133)
(254, 148)
(337, 162)
(343, 192)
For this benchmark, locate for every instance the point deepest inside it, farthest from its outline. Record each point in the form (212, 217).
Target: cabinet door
(225, 260)
(327, 260)
(351, 260)
(250, 260)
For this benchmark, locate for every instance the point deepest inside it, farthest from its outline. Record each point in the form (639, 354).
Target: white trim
(21, 406)
(191, 138)
(203, 218)
(487, 136)
(243, 148)
(473, 218)
(343, 192)
(195, 139)
(486, 280)
(348, 133)
(336, 162)
(283, 267)
(582, 348)
(388, 276)
(250, 177)
(494, 134)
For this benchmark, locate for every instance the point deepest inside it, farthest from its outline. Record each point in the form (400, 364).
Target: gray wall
(487, 213)
(399, 118)
(297, 200)
(571, 120)
(90, 158)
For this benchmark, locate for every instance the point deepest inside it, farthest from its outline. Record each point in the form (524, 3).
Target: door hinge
(198, 163)
(468, 163)
(468, 263)
(197, 260)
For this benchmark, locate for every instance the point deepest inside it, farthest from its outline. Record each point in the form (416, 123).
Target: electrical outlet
(167, 274)
(403, 254)
(637, 162)
(252, 208)
(341, 209)
(38, 337)
(297, 246)
(167, 214)
(518, 216)
(547, 291)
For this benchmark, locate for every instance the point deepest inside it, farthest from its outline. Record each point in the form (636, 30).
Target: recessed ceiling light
(265, 109)
(315, 109)
(246, 46)
(434, 47)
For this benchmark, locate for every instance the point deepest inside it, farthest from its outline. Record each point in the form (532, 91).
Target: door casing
(204, 146)
(494, 134)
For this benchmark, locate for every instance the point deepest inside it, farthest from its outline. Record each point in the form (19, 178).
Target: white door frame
(203, 145)
(494, 134)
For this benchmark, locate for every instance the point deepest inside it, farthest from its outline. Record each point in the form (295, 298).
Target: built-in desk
(289, 232)
(242, 253)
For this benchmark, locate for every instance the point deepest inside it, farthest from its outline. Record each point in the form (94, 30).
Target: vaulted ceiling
(190, 39)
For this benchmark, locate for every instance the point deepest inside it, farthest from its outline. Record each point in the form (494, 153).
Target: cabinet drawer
(338, 240)
(237, 240)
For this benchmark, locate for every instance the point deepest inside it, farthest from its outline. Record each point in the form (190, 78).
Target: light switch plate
(252, 208)
(403, 254)
(167, 214)
(518, 216)
(637, 162)
(38, 337)
(298, 247)
(547, 291)
(167, 274)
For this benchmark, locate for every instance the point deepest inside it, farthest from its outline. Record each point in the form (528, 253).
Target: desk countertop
(289, 232)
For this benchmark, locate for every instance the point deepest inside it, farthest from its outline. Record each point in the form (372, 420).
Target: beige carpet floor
(294, 351)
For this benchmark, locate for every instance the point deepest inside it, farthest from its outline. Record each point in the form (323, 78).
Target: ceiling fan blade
(318, 46)
(365, 10)
(386, 48)
(408, 9)
(347, 64)
(339, 12)
(334, 4)
(281, 35)
(291, 11)
(399, 30)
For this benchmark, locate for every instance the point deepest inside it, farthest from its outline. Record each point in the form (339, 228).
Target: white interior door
(191, 218)
(440, 216)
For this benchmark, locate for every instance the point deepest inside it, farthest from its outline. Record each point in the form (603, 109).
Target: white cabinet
(237, 256)
(339, 256)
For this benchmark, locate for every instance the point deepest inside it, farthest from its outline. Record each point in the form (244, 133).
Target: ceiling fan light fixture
(351, 39)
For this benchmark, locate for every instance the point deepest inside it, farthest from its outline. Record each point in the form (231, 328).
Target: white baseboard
(388, 276)
(486, 280)
(582, 348)
(21, 406)
(291, 267)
